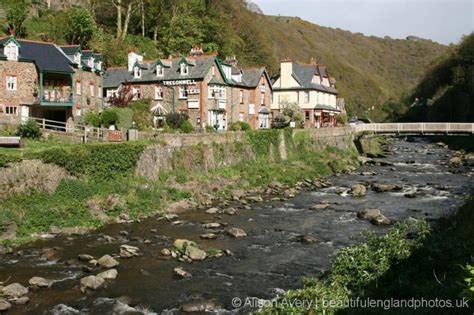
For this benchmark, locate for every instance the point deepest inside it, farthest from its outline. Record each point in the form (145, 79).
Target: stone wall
(26, 75)
(86, 101)
(206, 151)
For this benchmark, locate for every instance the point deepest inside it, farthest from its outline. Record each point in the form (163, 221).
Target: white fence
(417, 128)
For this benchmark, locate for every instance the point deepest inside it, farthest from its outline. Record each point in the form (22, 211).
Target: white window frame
(158, 93)
(241, 116)
(183, 92)
(11, 110)
(137, 93)
(91, 89)
(77, 58)
(11, 51)
(241, 96)
(184, 70)
(262, 98)
(78, 87)
(11, 82)
(137, 72)
(99, 91)
(306, 97)
(160, 71)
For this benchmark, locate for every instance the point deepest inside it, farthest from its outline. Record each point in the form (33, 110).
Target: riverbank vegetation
(101, 185)
(413, 260)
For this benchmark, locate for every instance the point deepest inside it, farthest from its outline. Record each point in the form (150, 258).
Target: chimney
(286, 71)
(231, 60)
(132, 58)
(313, 61)
(196, 51)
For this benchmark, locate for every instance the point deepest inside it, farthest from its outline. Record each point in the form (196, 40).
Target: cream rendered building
(309, 86)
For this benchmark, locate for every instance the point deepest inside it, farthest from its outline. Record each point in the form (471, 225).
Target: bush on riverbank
(408, 262)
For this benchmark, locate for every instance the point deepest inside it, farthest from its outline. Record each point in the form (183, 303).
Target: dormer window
(77, 58)
(11, 51)
(159, 71)
(184, 69)
(137, 72)
(98, 65)
(90, 63)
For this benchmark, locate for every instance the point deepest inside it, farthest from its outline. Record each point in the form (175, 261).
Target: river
(270, 259)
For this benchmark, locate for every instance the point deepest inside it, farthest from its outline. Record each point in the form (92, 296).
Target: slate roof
(46, 56)
(304, 73)
(70, 50)
(326, 107)
(116, 76)
(250, 77)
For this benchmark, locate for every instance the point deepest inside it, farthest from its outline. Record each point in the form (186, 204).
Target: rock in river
(91, 282)
(209, 236)
(14, 290)
(213, 210)
(181, 244)
(374, 216)
(320, 206)
(236, 232)
(385, 187)
(358, 190)
(4, 305)
(180, 272)
(127, 251)
(456, 161)
(108, 274)
(195, 253)
(201, 307)
(38, 282)
(107, 261)
(85, 257)
(308, 239)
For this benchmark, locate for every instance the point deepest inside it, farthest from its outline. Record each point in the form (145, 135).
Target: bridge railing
(418, 128)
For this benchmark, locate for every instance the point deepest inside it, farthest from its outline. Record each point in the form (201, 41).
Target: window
(306, 115)
(158, 93)
(306, 97)
(263, 118)
(11, 110)
(90, 63)
(241, 97)
(136, 93)
(213, 70)
(262, 98)
(241, 116)
(159, 71)
(11, 51)
(77, 58)
(11, 83)
(91, 89)
(137, 73)
(183, 92)
(99, 92)
(98, 65)
(184, 69)
(78, 88)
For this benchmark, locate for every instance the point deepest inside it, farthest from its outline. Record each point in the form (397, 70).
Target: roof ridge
(117, 67)
(30, 40)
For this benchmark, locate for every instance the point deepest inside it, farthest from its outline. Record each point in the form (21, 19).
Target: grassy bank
(412, 261)
(101, 184)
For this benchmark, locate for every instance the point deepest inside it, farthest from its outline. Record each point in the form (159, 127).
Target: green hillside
(369, 70)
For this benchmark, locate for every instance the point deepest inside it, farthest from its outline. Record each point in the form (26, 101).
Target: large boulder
(91, 282)
(4, 305)
(39, 282)
(374, 216)
(181, 244)
(107, 261)
(108, 274)
(195, 253)
(236, 232)
(14, 290)
(308, 239)
(385, 187)
(456, 161)
(358, 190)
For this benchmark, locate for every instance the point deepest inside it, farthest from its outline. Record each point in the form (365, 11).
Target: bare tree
(118, 5)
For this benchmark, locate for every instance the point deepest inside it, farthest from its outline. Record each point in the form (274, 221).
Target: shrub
(109, 117)
(281, 121)
(239, 125)
(125, 118)
(141, 114)
(29, 130)
(175, 120)
(186, 127)
(210, 129)
(92, 118)
(244, 126)
(341, 119)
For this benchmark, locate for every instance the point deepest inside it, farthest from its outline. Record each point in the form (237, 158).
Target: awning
(326, 108)
(264, 110)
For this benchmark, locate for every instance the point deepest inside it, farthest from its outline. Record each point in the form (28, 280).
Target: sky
(444, 21)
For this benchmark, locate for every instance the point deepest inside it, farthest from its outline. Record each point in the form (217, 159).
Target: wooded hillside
(369, 70)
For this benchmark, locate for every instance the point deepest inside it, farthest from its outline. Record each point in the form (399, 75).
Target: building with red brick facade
(38, 79)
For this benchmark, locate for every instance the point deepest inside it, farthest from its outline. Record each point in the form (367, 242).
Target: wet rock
(374, 216)
(181, 273)
(108, 274)
(236, 232)
(290, 193)
(170, 216)
(385, 187)
(85, 257)
(441, 145)
(381, 220)
(363, 159)
(358, 190)
(201, 307)
(456, 161)
(177, 222)
(410, 195)
(64, 310)
(4, 305)
(123, 233)
(255, 198)
(22, 301)
(14, 290)
(76, 230)
(165, 252)
(209, 236)
(108, 239)
(107, 261)
(39, 282)
(230, 211)
(213, 210)
(91, 282)
(368, 173)
(195, 253)
(320, 206)
(181, 244)
(308, 239)
(212, 225)
(49, 253)
(237, 194)
(127, 251)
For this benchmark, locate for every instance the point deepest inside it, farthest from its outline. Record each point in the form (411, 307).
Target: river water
(270, 259)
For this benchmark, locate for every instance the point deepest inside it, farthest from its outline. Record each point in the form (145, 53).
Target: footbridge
(421, 128)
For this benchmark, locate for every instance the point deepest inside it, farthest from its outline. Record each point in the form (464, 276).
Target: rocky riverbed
(250, 246)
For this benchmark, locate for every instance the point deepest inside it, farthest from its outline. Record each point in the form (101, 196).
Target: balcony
(54, 97)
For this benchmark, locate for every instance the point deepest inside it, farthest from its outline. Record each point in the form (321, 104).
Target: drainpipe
(174, 99)
(41, 87)
(231, 105)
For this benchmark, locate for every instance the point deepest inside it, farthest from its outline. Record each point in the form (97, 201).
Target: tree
(122, 97)
(81, 27)
(122, 25)
(16, 16)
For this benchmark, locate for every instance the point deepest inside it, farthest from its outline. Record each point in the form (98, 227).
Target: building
(38, 79)
(198, 84)
(309, 86)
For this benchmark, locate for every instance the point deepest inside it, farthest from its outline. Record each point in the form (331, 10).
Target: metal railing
(417, 128)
